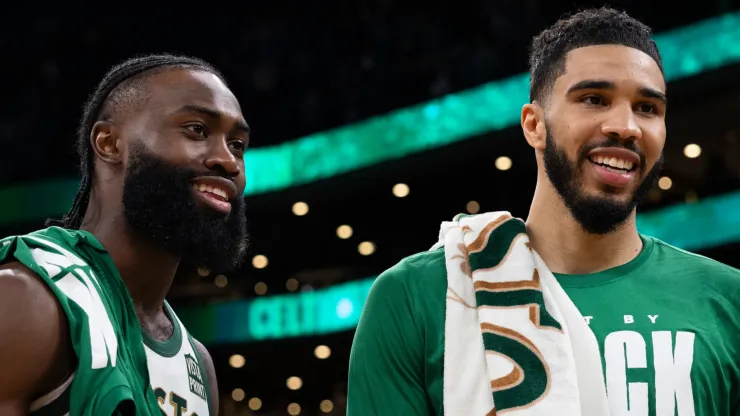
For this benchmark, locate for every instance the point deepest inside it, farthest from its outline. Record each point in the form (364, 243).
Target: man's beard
(159, 205)
(596, 214)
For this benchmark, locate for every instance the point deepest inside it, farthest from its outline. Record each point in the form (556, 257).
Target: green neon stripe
(28, 202)
(711, 222)
(706, 224)
(687, 51)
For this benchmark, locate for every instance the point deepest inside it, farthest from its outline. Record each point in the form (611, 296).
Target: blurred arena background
(372, 123)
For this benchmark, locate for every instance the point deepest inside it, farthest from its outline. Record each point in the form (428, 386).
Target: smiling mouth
(613, 163)
(212, 191)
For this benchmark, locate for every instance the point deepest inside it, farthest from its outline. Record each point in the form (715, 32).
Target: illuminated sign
(317, 312)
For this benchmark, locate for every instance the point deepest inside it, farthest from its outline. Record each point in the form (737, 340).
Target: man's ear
(533, 125)
(105, 142)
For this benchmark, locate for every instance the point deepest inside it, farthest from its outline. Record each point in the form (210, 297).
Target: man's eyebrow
(241, 125)
(654, 94)
(600, 84)
(591, 84)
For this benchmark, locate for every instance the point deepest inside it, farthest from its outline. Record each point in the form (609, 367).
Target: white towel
(515, 343)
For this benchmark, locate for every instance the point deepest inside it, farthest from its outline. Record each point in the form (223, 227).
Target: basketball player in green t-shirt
(84, 326)
(667, 321)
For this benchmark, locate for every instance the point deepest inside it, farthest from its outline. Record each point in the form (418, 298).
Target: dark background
(300, 68)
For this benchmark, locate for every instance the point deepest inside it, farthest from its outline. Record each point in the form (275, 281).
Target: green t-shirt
(668, 325)
(111, 377)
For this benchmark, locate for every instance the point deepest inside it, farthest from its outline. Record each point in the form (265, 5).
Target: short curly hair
(603, 26)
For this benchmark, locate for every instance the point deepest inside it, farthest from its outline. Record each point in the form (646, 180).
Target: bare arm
(32, 339)
(211, 374)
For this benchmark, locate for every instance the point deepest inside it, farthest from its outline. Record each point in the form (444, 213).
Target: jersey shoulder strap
(111, 371)
(199, 374)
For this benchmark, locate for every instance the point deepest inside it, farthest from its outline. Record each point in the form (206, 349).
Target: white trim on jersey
(49, 397)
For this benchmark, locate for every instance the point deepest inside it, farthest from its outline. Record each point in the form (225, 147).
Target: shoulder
(31, 315)
(403, 311)
(708, 271)
(25, 294)
(53, 240)
(210, 374)
(203, 352)
(55, 235)
(411, 287)
(425, 268)
(692, 260)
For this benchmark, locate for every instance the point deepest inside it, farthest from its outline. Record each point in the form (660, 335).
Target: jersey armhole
(113, 400)
(201, 364)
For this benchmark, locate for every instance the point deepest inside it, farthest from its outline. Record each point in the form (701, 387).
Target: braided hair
(122, 85)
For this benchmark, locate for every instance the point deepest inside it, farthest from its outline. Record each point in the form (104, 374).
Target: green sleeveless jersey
(668, 326)
(112, 376)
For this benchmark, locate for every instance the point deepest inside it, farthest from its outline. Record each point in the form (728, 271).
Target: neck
(146, 271)
(566, 247)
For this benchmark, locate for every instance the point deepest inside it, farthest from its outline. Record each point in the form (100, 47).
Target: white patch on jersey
(66, 253)
(673, 389)
(78, 286)
(623, 350)
(672, 366)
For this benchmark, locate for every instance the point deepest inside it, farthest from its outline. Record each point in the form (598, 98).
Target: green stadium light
(686, 51)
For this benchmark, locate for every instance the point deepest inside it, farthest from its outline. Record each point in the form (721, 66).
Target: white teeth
(613, 162)
(220, 192)
(210, 189)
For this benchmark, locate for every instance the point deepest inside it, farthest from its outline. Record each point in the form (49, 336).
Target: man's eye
(238, 146)
(593, 100)
(198, 129)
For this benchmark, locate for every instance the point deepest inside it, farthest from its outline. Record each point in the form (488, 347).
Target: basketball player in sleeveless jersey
(161, 145)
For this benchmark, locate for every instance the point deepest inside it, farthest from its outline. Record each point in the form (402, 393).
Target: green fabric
(668, 326)
(104, 330)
